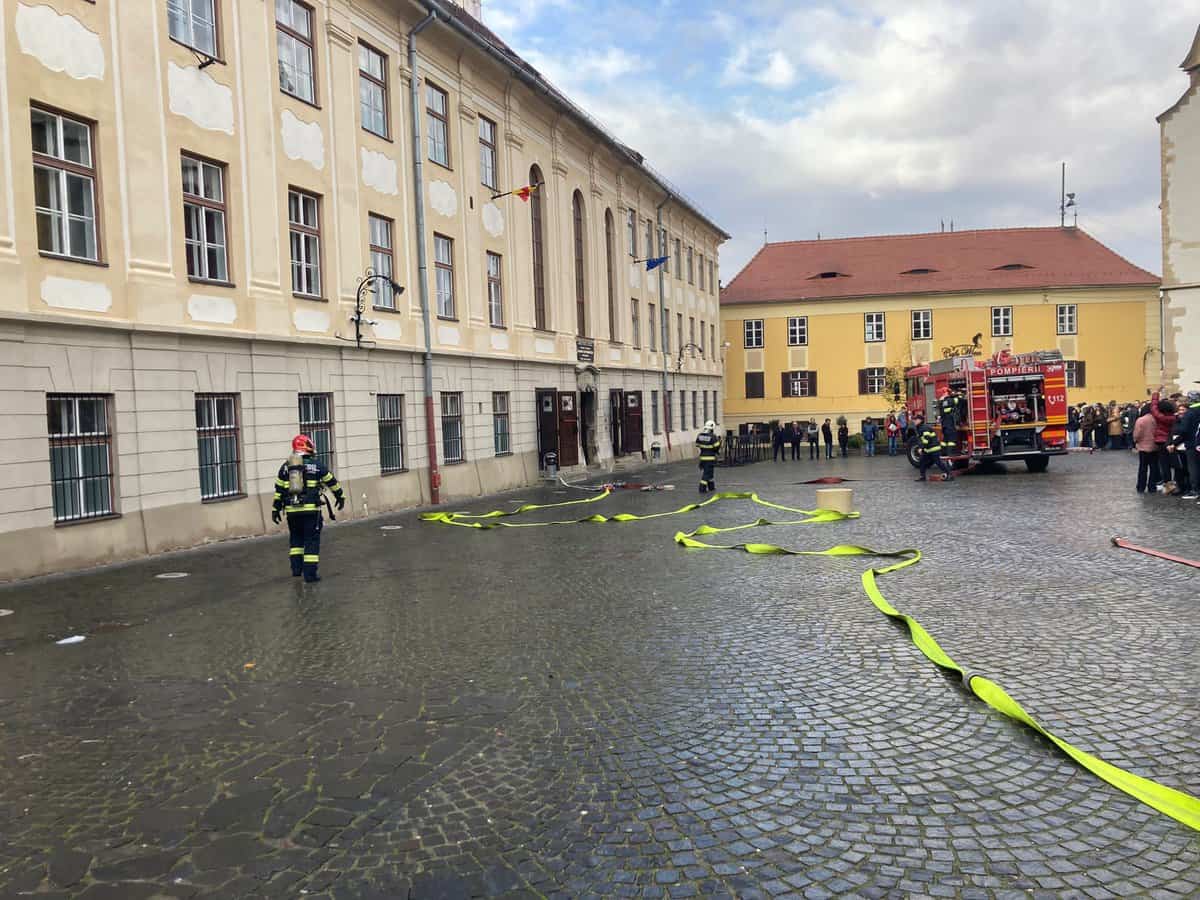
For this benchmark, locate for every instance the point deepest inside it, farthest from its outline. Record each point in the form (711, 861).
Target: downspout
(666, 324)
(435, 475)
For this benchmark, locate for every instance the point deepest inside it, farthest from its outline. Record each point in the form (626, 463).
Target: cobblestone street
(591, 710)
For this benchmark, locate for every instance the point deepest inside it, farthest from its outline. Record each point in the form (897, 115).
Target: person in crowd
(1115, 431)
(1073, 426)
(843, 434)
(893, 429)
(1100, 426)
(778, 441)
(795, 436)
(1129, 416)
(870, 433)
(827, 438)
(902, 421)
(1148, 475)
(811, 432)
(1087, 424)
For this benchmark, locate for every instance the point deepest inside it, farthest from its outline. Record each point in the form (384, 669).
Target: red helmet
(942, 393)
(302, 443)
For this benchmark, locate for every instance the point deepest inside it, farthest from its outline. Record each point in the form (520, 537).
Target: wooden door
(568, 430)
(632, 422)
(547, 424)
(616, 421)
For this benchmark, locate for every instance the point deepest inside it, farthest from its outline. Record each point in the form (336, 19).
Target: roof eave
(988, 290)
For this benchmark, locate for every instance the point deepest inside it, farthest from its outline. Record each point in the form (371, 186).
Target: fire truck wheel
(1037, 463)
(914, 454)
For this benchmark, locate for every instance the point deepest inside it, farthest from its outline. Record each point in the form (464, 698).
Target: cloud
(748, 63)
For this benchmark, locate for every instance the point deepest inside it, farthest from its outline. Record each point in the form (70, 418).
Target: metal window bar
(391, 432)
(316, 420)
(500, 422)
(217, 437)
(81, 474)
(452, 440)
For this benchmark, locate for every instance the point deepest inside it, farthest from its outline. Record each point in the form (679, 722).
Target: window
(712, 278)
(580, 278)
(1067, 319)
(1002, 321)
(316, 420)
(649, 239)
(872, 381)
(701, 274)
(635, 331)
(437, 122)
(695, 410)
(64, 185)
(922, 324)
(443, 261)
(797, 331)
(379, 231)
(654, 413)
(204, 237)
(754, 385)
(539, 269)
(194, 23)
(452, 430)
(662, 251)
(610, 238)
(487, 152)
(716, 408)
(500, 422)
(678, 259)
(495, 290)
(218, 439)
(873, 327)
(679, 332)
(753, 333)
(683, 410)
(692, 330)
(631, 231)
(666, 330)
(373, 90)
(652, 327)
(81, 475)
(294, 43)
(705, 396)
(391, 432)
(691, 267)
(799, 384)
(712, 335)
(1076, 372)
(701, 337)
(304, 232)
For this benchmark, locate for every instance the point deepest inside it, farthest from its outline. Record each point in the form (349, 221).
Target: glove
(340, 502)
(276, 517)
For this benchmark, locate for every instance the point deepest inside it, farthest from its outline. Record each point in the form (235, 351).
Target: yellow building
(813, 328)
(191, 193)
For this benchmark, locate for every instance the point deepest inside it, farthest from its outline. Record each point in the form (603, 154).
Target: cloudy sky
(853, 117)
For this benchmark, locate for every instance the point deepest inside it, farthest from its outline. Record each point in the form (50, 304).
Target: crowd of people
(891, 433)
(1164, 432)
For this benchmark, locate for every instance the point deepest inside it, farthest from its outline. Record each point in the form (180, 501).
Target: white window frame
(631, 231)
(1002, 321)
(379, 244)
(752, 334)
(799, 384)
(373, 91)
(636, 324)
(204, 210)
(75, 440)
(495, 289)
(797, 331)
(501, 424)
(62, 170)
(296, 50)
(187, 21)
(1067, 318)
(922, 324)
(304, 242)
(874, 327)
(443, 262)
(487, 152)
(876, 380)
(437, 124)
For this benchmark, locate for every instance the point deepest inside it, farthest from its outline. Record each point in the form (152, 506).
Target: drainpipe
(435, 475)
(666, 324)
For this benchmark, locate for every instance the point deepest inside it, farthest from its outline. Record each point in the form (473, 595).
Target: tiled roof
(940, 262)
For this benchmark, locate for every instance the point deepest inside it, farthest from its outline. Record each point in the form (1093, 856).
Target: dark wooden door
(547, 424)
(632, 422)
(616, 420)
(568, 430)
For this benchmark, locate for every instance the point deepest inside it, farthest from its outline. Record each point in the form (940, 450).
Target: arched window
(580, 280)
(539, 240)
(609, 237)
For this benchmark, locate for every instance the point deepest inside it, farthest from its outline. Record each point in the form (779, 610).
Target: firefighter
(931, 449)
(949, 405)
(709, 442)
(1186, 437)
(298, 488)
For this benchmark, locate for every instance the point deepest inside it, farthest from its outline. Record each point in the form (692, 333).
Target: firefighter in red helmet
(298, 488)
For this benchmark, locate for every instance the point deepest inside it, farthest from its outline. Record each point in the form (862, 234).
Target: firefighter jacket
(1187, 427)
(948, 408)
(928, 440)
(709, 444)
(316, 477)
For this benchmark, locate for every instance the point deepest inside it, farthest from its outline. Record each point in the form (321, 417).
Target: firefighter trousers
(708, 479)
(933, 459)
(304, 529)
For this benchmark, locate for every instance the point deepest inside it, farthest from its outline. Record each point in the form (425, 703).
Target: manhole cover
(390, 527)
(172, 575)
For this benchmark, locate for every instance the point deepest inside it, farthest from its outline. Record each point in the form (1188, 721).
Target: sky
(856, 117)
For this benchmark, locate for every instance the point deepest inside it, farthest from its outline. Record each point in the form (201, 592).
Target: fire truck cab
(1012, 406)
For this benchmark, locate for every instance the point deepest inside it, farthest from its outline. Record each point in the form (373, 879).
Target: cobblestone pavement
(593, 711)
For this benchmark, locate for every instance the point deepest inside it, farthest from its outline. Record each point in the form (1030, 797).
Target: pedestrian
(1148, 475)
(709, 442)
(777, 443)
(827, 438)
(1072, 427)
(298, 488)
(870, 432)
(893, 434)
(796, 435)
(1100, 428)
(1087, 424)
(931, 449)
(1164, 421)
(1115, 434)
(902, 421)
(1129, 416)
(843, 437)
(811, 432)
(1187, 436)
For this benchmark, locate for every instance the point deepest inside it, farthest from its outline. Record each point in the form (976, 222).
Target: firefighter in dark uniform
(931, 449)
(298, 488)
(709, 443)
(949, 415)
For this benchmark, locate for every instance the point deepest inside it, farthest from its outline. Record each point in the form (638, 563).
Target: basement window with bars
(391, 433)
(81, 472)
(452, 428)
(316, 420)
(500, 428)
(217, 436)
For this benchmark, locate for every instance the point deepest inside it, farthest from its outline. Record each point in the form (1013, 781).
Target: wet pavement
(594, 711)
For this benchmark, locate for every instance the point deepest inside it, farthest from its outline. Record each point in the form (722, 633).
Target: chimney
(474, 7)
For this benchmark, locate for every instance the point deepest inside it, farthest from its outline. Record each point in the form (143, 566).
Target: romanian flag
(524, 192)
(652, 264)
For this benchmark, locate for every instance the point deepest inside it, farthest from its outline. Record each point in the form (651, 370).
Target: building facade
(820, 329)
(1179, 129)
(193, 192)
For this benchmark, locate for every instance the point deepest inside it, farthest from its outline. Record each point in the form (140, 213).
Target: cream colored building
(190, 194)
(1180, 137)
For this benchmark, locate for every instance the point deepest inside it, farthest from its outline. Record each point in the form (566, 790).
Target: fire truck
(1011, 407)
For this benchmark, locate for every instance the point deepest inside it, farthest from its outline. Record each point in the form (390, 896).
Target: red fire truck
(1013, 406)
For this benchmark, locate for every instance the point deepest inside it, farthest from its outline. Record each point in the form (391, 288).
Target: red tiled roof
(960, 260)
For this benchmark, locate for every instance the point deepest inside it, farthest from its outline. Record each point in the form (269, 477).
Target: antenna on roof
(1066, 201)
(952, 225)
(764, 237)
(943, 221)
